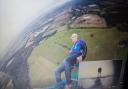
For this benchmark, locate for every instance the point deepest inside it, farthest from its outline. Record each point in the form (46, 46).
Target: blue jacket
(76, 48)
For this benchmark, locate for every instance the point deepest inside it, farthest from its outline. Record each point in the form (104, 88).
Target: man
(75, 55)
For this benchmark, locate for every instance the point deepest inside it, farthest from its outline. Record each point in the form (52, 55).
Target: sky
(16, 14)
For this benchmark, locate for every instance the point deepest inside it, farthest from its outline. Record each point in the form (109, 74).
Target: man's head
(74, 37)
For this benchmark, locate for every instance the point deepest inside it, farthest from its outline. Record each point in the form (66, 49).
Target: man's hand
(79, 59)
(67, 51)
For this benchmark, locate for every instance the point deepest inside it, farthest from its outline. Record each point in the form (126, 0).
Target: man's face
(74, 39)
